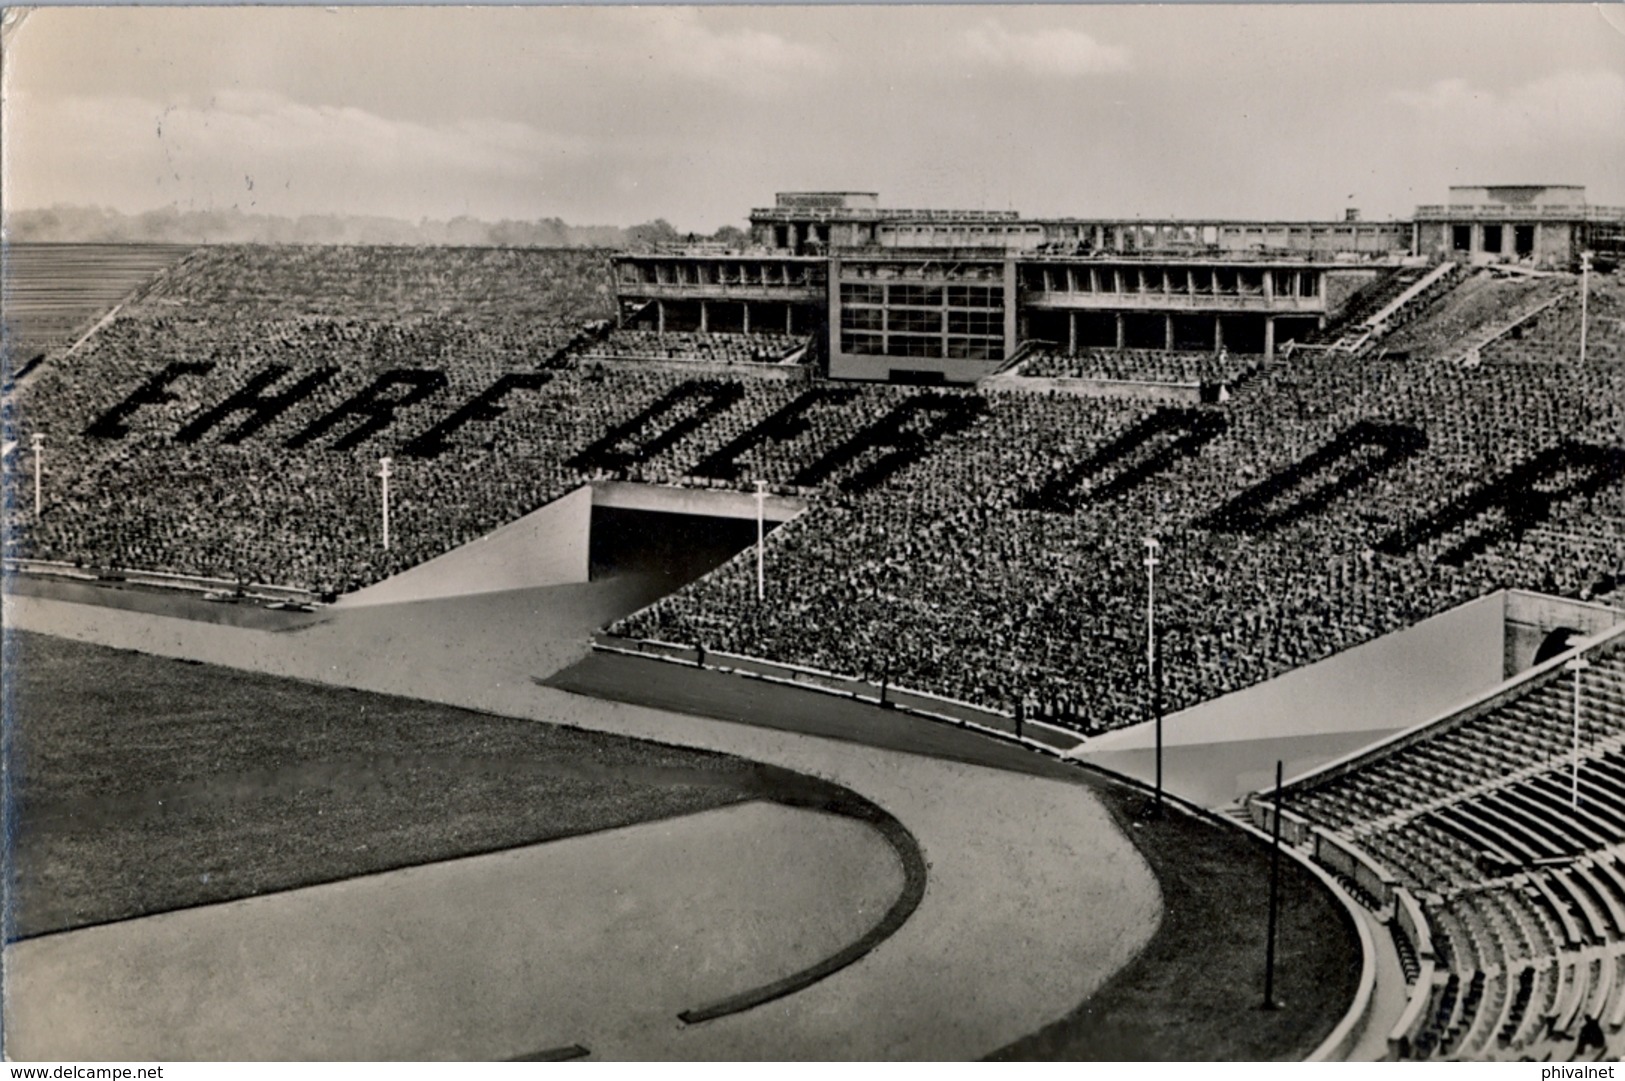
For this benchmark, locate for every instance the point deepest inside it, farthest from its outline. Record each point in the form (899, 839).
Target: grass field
(143, 784)
(1196, 990)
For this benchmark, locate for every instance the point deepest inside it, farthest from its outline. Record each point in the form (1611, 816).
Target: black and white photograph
(793, 533)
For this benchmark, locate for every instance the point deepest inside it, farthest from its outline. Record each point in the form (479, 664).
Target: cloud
(1056, 51)
(1570, 106)
(262, 150)
(679, 41)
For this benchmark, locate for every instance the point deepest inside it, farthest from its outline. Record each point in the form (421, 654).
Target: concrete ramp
(547, 547)
(1226, 747)
(1393, 681)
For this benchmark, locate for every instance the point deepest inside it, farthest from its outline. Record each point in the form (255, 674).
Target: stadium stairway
(1416, 297)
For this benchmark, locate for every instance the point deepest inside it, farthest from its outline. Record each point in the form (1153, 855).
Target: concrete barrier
(1034, 734)
(1084, 387)
(252, 591)
(1408, 917)
(782, 370)
(1344, 858)
(1295, 829)
(1410, 1022)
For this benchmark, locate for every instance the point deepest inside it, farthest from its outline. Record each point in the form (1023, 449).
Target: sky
(616, 115)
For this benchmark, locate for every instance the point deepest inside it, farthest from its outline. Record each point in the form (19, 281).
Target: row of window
(922, 320)
(1285, 283)
(1495, 237)
(719, 274)
(927, 296)
(921, 345)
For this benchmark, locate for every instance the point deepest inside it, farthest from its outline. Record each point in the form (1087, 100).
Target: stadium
(902, 635)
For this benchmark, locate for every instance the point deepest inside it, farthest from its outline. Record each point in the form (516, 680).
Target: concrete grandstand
(908, 461)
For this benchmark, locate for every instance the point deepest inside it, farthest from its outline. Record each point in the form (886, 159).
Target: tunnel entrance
(1557, 642)
(673, 549)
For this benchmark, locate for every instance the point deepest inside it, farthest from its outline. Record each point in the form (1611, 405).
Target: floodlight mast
(1576, 665)
(1153, 669)
(1275, 893)
(761, 536)
(37, 440)
(384, 475)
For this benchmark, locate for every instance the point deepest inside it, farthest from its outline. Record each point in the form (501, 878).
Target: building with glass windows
(924, 296)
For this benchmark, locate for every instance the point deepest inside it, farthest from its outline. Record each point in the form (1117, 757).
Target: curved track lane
(1033, 899)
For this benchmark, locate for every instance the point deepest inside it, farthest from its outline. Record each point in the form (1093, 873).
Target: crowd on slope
(251, 283)
(945, 580)
(694, 347)
(984, 547)
(1141, 365)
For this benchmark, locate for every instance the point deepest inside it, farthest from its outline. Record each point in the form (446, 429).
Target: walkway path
(1033, 897)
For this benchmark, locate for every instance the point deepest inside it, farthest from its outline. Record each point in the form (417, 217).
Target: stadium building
(951, 296)
(1195, 500)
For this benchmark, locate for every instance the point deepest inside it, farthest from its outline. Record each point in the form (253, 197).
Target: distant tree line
(100, 225)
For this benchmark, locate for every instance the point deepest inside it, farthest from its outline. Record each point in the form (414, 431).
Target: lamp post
(37, 441)
(1275, 894)
(1576, 665)
(761, 536)
(1153, 670)
(383, 475)
(1585, 293)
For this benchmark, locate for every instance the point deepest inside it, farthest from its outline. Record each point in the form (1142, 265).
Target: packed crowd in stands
(981, 546)
(1369, 301)
(693, 347)
(1482, 299)
(1047, 603)
(1141, 365)
(1553, 336)
(509, 286)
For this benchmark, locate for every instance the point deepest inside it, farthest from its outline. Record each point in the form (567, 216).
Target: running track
(1032, 899)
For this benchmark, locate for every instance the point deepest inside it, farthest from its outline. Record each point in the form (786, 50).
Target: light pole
(1576, 665)
(1585, 293)
(37, 440)
(1152, 546)
(1275, 895)
(383, 475)
(761, 535)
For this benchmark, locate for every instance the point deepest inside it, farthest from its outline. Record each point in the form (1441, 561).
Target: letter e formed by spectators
(155, 391)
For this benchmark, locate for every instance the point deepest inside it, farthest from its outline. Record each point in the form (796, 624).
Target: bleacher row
(1523, 891)
(1054, 600)
(1140, 365)
(1553, 336)
(1369, 301)
(507, 286)
(1481, 298)
(693, 347)
(1403, 300)
(1033, 505)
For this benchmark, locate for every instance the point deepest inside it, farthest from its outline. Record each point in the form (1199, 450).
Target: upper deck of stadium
(951, 295)
(227, 423)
